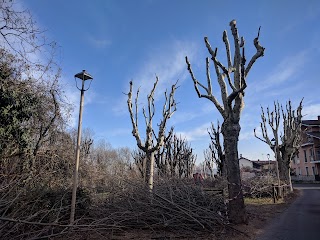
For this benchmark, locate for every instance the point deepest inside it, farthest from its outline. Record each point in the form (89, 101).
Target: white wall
(245, 163)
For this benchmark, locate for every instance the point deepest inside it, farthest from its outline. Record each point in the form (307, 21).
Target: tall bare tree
(231, 107)
(152, 142)
(284, 144)
(215, 153)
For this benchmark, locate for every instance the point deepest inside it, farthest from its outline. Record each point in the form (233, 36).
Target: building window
(305, 156)
(311, 154)
(307, 171)
(313, 171)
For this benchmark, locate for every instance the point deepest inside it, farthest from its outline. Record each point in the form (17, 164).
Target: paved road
(301, 221)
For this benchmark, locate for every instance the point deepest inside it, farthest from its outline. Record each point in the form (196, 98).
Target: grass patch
(262, 201)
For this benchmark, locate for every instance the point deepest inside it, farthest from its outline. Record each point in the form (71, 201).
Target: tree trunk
(150, 179)
(230, 131)
(284, 168)
(147, 167)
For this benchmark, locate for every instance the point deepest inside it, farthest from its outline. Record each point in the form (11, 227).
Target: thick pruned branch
(134, 116)
(259, 53)
(237, 68)
(209, 92)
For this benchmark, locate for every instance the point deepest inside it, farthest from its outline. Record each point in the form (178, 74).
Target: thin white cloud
(195, 134)
(311, 112)
(246, 135)
(168, 63)
(99, 43)
(284, 71)
(179, 117)
(120, 132)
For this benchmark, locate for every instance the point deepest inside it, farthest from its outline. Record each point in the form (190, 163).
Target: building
(306, 166)
(256, 165)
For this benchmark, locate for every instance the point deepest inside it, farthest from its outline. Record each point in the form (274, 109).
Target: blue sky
(121, 40)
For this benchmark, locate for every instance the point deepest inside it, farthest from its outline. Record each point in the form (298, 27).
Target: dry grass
(262, 201)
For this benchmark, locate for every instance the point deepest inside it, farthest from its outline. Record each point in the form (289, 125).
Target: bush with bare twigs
(259, 186)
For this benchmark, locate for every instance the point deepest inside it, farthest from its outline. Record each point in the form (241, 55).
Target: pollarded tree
(284, 144)
(231, 107)
(152, 142)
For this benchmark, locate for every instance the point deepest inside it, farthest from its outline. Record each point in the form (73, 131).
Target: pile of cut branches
(259, 186)
(173, 205)
(33, 212)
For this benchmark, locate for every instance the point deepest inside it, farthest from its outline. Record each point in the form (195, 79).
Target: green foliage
(17, 104)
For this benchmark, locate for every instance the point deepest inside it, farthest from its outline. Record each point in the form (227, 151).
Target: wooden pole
(76, 168)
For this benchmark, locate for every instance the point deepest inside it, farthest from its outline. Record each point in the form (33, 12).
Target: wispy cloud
(120, 132)
(99, 43)
(167, 63)
(183, 117)
(284, 71)
(196, 133)
(246, 135)
(311, 111)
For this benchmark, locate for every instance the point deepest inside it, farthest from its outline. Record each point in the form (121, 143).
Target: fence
(303, 178)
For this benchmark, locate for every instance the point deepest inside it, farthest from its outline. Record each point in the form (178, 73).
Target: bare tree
(231, 107)
(215, 153)
(284, 144)
(152, 142)
(18, 30)
(175, 158)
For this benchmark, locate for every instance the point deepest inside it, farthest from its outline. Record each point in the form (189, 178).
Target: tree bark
(284, 169)
(151, 172)
(230, 132)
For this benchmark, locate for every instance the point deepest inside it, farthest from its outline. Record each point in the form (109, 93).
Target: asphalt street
(301, 221)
